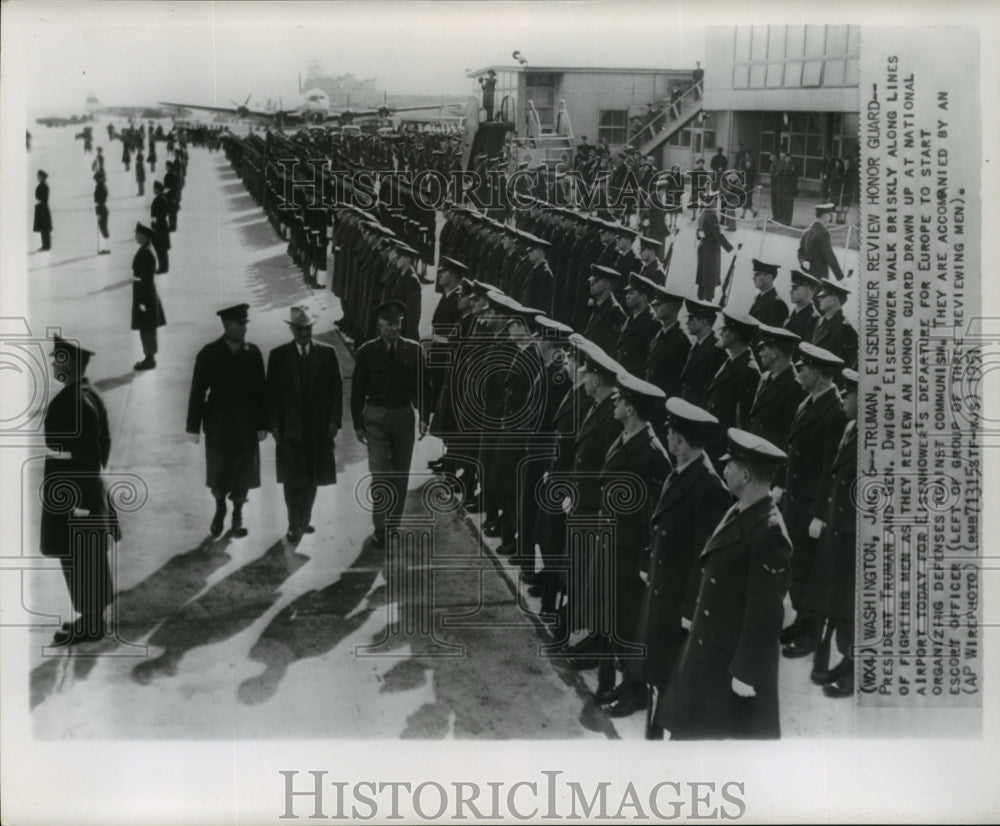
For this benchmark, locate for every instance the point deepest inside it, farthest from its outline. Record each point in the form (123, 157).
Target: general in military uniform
(228, 401)
(387, 386)
(305, 402)
(815, 250)
(726, 682)
(76, 426)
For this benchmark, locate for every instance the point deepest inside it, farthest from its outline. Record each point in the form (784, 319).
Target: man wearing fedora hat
(228, 400)
(305, 402)
(388, 383)
(76, 425)
(147, 311)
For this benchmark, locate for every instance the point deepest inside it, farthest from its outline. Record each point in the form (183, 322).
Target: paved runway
(253, 638)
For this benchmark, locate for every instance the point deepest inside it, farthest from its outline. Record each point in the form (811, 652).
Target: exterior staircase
(665, 124)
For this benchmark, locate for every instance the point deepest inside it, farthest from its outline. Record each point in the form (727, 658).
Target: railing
(671, 109)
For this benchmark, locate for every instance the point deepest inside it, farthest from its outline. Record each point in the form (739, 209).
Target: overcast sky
(142, 52)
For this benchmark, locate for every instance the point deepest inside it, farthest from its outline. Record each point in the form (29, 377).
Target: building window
(773, 57)
(612, 125)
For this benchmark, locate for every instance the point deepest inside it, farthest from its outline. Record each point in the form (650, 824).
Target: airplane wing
(231, 110)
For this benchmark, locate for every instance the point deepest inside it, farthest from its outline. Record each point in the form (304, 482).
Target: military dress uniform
(736, 624)
(76, 425)
(228, 400)
(147, 311)
(802, 321)
(711, 242)
(634, 341)
(837, 335)
(668, 353)
(813, 437)
(816, 252)
(606, 318)
(769, 308)
(703, 362)
(690, 505)
(387, 387)
(775, 401)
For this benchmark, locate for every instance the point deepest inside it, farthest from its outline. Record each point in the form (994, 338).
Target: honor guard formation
(660, 469)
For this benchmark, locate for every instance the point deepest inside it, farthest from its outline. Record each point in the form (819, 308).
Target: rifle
(666, 259)
(728, 283)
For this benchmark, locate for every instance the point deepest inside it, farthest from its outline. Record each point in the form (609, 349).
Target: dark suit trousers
(299, 501)
(88, 576)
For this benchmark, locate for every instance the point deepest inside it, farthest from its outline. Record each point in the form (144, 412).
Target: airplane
(313, 107)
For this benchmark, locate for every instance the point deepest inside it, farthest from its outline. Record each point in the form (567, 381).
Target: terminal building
(603, 104)
(782, 89)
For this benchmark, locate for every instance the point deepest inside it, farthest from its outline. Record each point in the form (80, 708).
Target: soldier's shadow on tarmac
(111, 382)
(315, 623)
(259, 235)
(273, 283)
(125, 282)
(221, 612)
(139, 610)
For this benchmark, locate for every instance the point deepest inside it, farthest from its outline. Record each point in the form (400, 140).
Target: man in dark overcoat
(228, 400)
(305, 403)
(636, 465)
(668, 351)
(833, 331)
(726, 682)
(606, 314)
(768, 307)
(804, 317)
(159, 222)
(711, 241)
(812, 446)
(689, 507)
(639, 328)
(815, 249)
(778, 394)
(76, 425)
(43, 217)
(147, 311)
(832, 591)
(705, 356)
(403, 286)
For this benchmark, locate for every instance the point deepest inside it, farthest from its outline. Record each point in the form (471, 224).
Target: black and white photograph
(497, 411)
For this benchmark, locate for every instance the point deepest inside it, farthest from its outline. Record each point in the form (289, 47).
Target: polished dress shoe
(219, 519)
(237, 524)
(588, 645)
(491, 529)
(307, 529)
(293, 534)
(628, 703)
(536, 590)
(532, 578)
(845, 666)
(473, 504)
(842, 687)
(507, 549)
(145, 364)
(606, 696)
(802, 646)
(436, 465)
(83, 630)
(790, 633)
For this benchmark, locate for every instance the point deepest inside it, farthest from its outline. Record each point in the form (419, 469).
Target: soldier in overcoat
(147, 311)
(726, 682)
(228, 401)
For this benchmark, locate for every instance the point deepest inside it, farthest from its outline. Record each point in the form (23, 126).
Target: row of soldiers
(542, 428)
